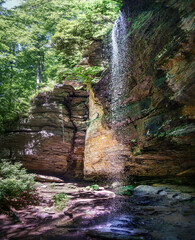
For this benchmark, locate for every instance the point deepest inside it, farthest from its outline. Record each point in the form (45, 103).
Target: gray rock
(116, 184)
(173, 195)
(163, 193)
(169, 193)
(185, 197)
(44, 216)
(145, 189)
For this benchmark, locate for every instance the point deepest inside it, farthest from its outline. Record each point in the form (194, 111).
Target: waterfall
(62, 122)
(119, 33)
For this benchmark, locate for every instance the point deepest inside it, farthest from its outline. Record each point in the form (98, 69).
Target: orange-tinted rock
(156, 118)
(104, 155)
(155, 165)
(189, 111)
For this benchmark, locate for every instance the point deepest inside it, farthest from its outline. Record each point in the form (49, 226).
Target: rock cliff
(154, 134)
(52, 138)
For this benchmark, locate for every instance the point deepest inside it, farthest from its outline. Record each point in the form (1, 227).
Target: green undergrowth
(125, 190)
(93, 187)
(52, 185)
(61, 200)
(17, 187)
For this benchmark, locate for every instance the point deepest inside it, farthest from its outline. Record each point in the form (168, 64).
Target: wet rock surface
(156, 116)
(101, 214)
(168, 191)
(104, 155)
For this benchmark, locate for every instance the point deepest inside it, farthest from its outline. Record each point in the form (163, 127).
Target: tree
(43, 40)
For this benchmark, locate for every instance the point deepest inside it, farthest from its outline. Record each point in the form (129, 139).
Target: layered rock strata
(52, 138)
(156, 117)
(104, 155)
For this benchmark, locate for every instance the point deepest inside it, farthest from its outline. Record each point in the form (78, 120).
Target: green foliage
(61, 200)
(93, 187)
(141, 20)
(90, 20)
(52, 185)
(136, 151)
(42, 42)
(84, 75)
(125, 190)
(17, 187)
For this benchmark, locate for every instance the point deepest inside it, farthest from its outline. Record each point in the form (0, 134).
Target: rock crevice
(52, 139)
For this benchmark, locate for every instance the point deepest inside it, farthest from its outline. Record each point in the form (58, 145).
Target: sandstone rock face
(154, 134)
(52, 138)
(104, 155)
(156, 121)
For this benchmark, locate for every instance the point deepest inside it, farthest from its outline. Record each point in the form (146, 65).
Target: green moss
(182, 130)
(136, 151)
(155, 125)
(136, 109)
(141, 20)
(132, 110)
(159, 82)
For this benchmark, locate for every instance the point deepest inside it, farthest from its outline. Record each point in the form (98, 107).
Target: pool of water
(123, 226)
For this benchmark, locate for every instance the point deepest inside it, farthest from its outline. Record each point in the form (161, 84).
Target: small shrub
(93, 187)
(125, 190)
(17, 187)
(52, 185)
(61, 200)
(136, 151)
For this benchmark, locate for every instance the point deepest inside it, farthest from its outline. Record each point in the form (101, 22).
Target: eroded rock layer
(104, 155)
(156, 117)
(52, 138)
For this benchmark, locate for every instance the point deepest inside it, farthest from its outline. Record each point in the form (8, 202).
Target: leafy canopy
(43, 40)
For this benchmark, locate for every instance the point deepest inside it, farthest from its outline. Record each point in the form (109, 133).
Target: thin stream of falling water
(119, 32)
(62, 124)
(118, 82)
(118, 87)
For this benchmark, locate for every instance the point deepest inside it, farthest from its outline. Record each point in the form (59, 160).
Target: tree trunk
(42, 67)
(38, 69)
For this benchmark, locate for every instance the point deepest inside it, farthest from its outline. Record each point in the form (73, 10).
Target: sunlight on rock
(97, 101)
